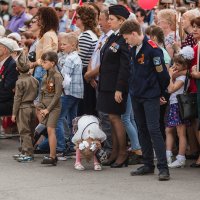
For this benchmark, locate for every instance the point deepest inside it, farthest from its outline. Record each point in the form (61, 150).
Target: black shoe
(195, 165)
(193, 156)
(135, 159)
(39, 151)
(142, 171)
(49, 161)
(164, 175)
(120, 165)
(107, 162)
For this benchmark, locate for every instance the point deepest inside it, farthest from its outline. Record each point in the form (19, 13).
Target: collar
(3, 61)
(64, 18)
(116, 32)
(109, 33)
(23, 75)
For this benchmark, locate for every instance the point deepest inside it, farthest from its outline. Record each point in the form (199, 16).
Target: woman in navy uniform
(113, 84)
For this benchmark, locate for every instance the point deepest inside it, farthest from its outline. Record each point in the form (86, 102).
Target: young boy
(70, 66)
(23, 108)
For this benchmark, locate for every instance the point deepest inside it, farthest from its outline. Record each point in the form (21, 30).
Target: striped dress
(87, 43)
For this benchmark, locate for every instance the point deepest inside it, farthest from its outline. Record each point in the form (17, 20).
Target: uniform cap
(4, 2)
(119, 10)
(23, 63)
(16, 46)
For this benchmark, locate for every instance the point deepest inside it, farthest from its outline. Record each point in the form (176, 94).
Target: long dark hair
(48, 20)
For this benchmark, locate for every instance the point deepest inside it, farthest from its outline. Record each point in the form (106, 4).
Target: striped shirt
(87, 43)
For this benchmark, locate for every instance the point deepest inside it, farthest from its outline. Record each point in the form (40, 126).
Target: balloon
(147, 4)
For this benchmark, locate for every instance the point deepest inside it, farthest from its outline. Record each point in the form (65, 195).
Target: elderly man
(33, 6)
(8, 76)
(63, 19)
(19, 15)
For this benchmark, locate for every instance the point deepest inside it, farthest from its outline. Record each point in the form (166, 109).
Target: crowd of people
(110, 59)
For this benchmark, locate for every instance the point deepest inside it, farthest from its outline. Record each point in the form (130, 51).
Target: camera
(32, 56)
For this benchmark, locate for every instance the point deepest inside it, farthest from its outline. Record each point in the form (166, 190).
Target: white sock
(169, 153)
(180, 157)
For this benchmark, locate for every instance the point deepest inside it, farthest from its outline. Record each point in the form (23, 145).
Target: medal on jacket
(141, 59)
(50, 86)
(1, 73)
(114, 47)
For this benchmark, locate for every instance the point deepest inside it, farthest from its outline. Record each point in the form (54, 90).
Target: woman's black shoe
(107, 162)
(119, 165)
(49, 161)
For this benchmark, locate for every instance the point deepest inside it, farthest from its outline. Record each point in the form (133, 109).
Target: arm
(19, 91)
(160, 69)
(174, 85)
(58, 92)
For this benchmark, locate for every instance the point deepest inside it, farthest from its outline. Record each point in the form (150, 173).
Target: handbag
(187, 102)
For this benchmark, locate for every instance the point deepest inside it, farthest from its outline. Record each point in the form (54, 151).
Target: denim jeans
(147, 114)
(130, 125)
(69, 111)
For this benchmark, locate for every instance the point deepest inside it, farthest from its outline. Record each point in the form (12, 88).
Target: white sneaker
(177, 164)
(97, 167)
(79, 166)
(169, 160)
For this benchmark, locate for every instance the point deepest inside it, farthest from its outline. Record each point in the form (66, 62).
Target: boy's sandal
(79, 166)
(47, 160)
(97, 167)
(195, 165)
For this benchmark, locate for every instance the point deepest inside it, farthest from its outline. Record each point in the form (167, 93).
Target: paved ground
(32, 181)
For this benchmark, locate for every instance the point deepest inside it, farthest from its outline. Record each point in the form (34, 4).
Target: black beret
(119, 10)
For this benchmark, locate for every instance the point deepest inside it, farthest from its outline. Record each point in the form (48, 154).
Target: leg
(153, 106)
(52, 141)
(120, 137)
(143, 133)
(130, 125)
(181, 131)
(78, 164)
(169, 138)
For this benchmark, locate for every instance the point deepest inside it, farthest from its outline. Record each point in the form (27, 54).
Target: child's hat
(23, 63)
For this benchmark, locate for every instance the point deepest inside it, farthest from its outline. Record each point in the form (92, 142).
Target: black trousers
(6, 108)
(147, 114)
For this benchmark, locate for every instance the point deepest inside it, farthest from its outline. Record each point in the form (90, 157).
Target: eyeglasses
(30, 7)
(33, 21)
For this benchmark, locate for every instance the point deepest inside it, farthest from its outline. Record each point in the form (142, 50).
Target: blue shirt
(149, 76)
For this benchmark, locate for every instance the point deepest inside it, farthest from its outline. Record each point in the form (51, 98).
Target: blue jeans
(130, 125)
(69, 111)
(147, 114)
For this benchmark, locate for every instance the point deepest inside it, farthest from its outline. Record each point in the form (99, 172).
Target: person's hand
(176, 46)
(118, 96)
(13, 118)
(194, 72)
(93, 83)
(172, 72)
(44, 112)
(87, 76)
(162, 101)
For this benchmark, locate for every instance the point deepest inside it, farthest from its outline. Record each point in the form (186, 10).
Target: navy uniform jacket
(115, 65)
(8, 80)
(149, 75)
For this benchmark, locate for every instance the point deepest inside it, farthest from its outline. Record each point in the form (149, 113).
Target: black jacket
(115, 65)
(8, 80)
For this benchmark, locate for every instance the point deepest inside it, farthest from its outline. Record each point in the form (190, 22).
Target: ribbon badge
(141, 59)
(1, 73)
(114, 47)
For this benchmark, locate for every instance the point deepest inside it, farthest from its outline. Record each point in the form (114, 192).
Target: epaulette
(153, 44)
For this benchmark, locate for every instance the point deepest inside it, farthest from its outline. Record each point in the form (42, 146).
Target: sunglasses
(58, 9)
(30, 7)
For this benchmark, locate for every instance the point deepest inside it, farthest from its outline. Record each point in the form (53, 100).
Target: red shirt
(193, 87)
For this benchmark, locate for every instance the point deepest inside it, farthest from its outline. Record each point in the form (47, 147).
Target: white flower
(187, 52)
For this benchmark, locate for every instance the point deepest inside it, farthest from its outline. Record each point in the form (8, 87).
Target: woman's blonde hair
(170, 16)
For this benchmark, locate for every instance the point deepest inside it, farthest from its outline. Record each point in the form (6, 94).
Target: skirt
(106, 103)
(173, 118)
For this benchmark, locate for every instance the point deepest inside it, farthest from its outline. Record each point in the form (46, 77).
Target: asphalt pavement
(33, 181)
